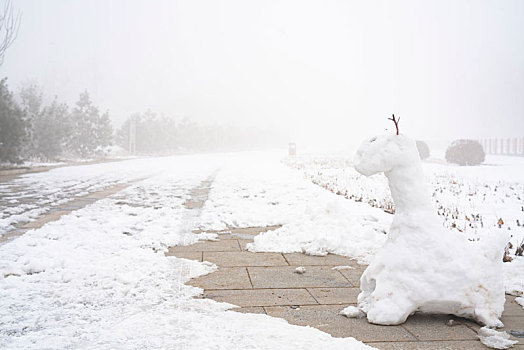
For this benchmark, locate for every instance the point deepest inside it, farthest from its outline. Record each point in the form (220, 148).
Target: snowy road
(28, 196)
(98, 279)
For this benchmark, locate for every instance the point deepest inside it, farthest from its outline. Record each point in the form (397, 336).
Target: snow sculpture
(423, 266)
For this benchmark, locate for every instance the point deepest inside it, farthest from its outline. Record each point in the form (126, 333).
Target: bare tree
(9, 24)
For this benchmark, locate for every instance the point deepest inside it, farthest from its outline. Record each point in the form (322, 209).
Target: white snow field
(314, 220)
(469, 200)
(98, 279)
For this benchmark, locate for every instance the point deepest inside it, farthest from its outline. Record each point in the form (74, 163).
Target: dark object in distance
(423, 149)
(292, 149)
(465, 152)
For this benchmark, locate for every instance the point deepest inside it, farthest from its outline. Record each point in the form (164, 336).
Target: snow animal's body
(423, 266)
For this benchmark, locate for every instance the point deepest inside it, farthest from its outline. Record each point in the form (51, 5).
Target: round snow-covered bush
(423, 149)
(465, 152)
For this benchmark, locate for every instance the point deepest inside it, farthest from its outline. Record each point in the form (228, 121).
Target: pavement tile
(52, 216)
(75, 204)
(243, 242)
(192, 204)
(299, 259)
(327, 295)
(253, 230)
(286, 277)
(513, 323)
(327, 319)
(433, 327)
(250, 310)
(511, 308)
(224, 278)
(263, 283)
(353, 276)
(198, 231)
(229, 235)
(430, 345)
(208, 246)
(245, 259)
(186, 255)
(469, 323)
(261, 297)
(200, 191)
(107, 192)
(98, 195)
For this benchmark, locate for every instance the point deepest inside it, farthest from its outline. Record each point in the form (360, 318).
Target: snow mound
(352, 312)
(300, 270)
(336, 226)
(495, 339)
(520, 301)
(423, 266)
(262, 192)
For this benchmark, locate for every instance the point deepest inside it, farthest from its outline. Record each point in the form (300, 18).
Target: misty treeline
(157, 134)
(31, 129)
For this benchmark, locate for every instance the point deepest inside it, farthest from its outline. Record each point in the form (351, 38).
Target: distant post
(132, 135)
(292, 149)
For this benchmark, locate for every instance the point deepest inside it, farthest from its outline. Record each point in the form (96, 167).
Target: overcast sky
(329, 71)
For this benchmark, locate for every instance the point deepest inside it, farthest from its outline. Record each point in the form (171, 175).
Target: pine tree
(12, 128)
(104, 131)
(82, 138)
(52, 130)
(90, 131)
(31, 102)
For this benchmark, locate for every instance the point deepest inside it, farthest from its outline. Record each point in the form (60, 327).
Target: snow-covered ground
(314, 220)
(29, 196)
(98, 279)
(470, 201)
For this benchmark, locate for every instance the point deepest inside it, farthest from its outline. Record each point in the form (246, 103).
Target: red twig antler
(395, 121)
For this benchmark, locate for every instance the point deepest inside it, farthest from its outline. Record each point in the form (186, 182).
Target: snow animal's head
(385, 152)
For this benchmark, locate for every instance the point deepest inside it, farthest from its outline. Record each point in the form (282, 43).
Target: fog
(325, 73)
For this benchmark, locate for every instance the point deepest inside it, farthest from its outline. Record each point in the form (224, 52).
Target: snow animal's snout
(360, 165)
(370, 157)
(385, 152)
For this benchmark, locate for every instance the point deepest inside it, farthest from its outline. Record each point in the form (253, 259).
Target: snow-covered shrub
(423, 149)
(465, 152)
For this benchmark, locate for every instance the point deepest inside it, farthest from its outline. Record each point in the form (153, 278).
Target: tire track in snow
(58, 211)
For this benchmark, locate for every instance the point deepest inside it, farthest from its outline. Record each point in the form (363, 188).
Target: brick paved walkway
(267, 283)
